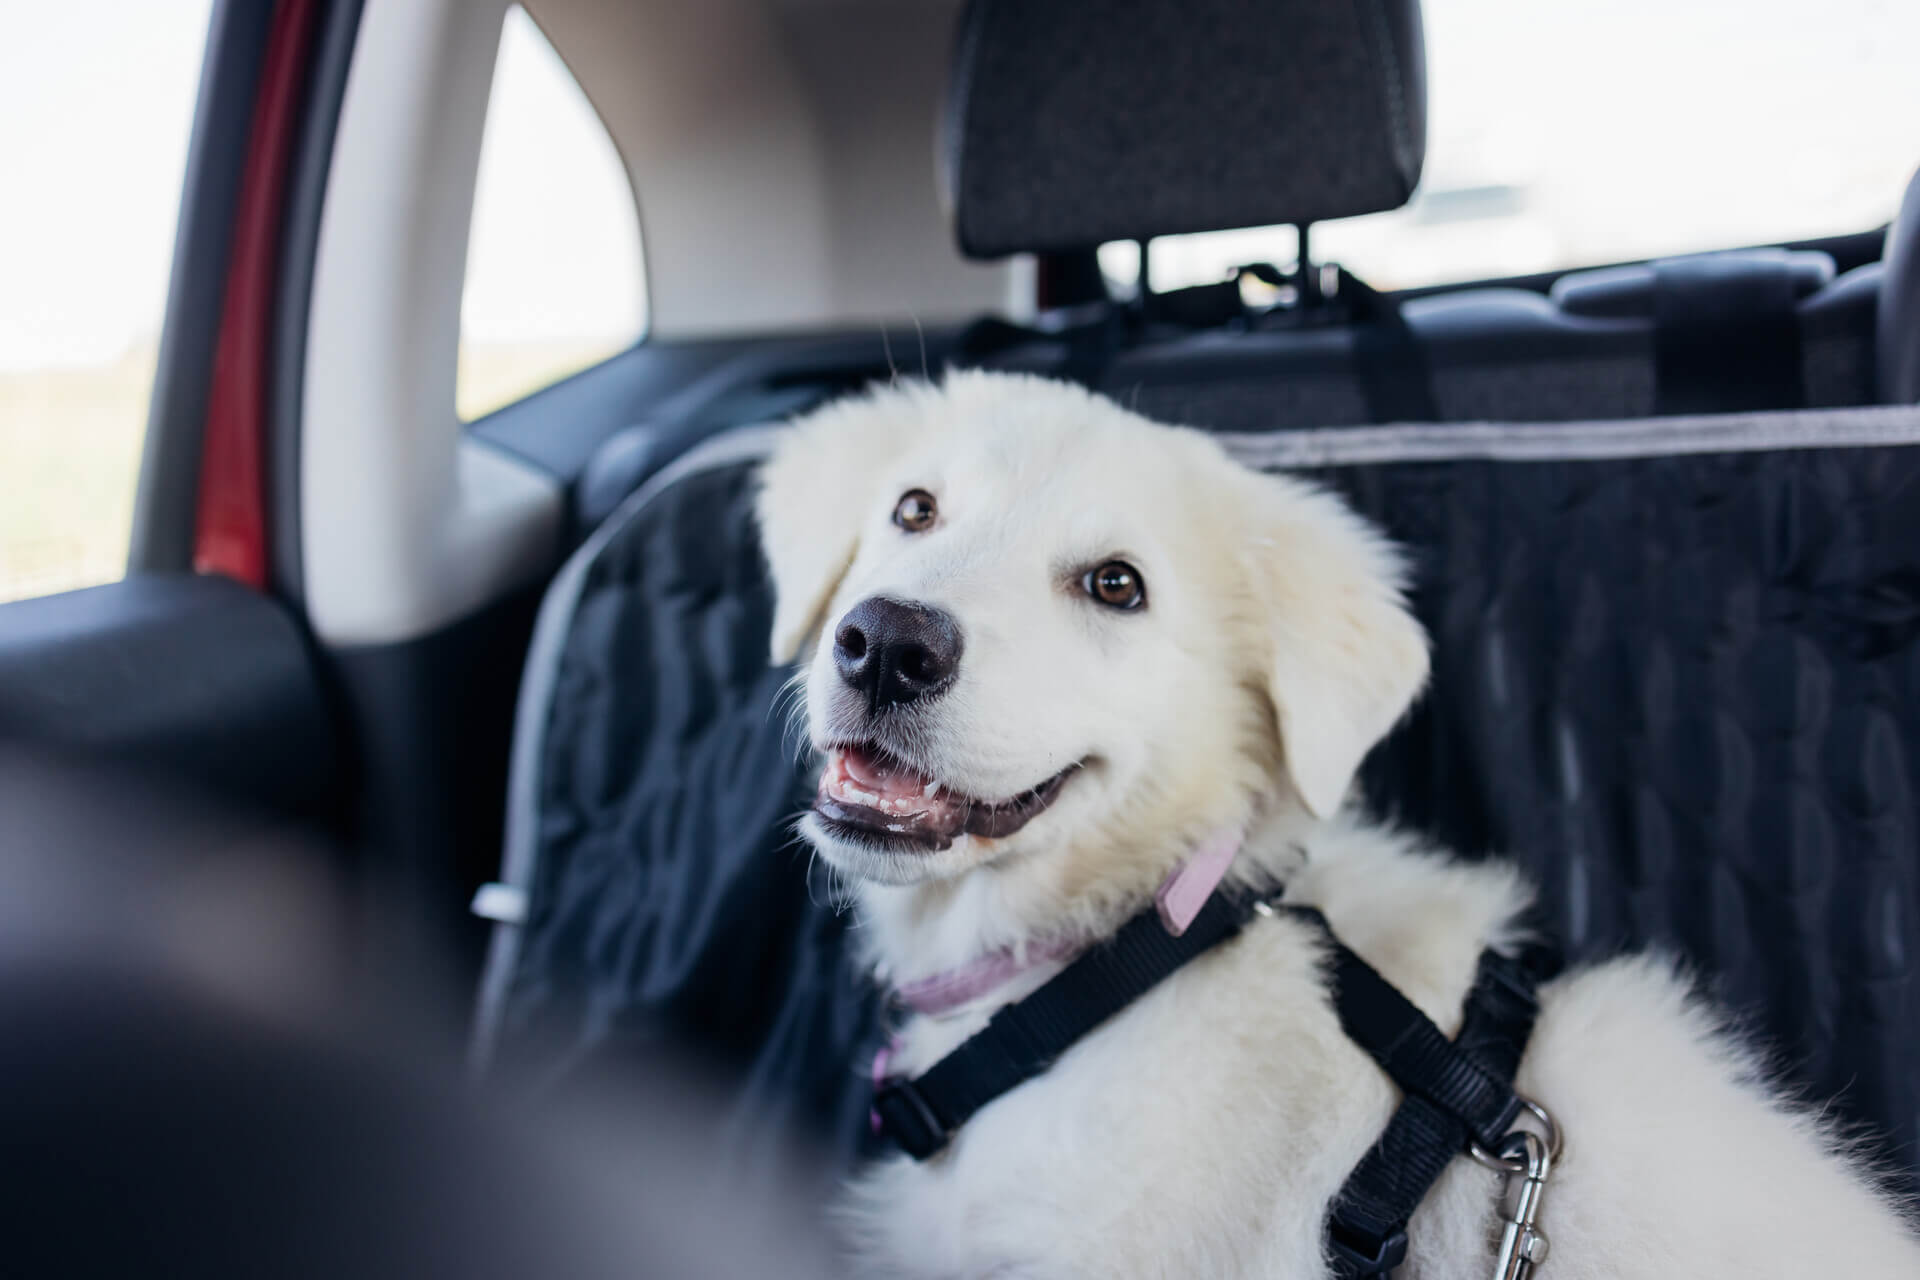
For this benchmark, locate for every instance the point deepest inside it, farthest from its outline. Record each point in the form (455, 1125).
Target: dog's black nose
(895, 652)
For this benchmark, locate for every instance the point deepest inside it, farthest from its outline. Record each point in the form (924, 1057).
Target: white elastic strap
(500, 902)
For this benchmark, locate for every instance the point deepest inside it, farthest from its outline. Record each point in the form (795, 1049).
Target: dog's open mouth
(870, 794)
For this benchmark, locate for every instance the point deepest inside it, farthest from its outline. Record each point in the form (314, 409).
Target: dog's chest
(1202, 1131)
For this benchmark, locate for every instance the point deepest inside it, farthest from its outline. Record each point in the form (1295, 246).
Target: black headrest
(1072, 124)
(1899, 319)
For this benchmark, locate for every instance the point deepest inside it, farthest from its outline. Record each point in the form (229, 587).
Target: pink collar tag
(1194, 880)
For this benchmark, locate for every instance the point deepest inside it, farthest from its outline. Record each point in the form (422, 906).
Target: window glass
(96, 106)
(1581, 132)
(554, 277)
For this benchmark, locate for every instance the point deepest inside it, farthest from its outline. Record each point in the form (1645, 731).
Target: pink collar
(1185, 890)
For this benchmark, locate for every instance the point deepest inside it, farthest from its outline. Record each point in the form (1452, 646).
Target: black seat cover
(1677, 671)
(1899, 312)
(1681, 688)
(670, 909)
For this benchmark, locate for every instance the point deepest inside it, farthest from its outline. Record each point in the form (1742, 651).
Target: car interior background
(1661, 506)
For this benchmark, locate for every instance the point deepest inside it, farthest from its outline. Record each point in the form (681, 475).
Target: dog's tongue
(863, 786)
(888, 779)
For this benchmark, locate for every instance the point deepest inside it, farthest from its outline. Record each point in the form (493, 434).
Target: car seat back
(1677, 658)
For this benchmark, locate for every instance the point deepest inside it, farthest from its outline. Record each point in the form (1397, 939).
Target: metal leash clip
(1530, 1157)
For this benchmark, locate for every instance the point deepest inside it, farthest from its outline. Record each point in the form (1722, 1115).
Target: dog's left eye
(915, 511)
(1116, 584)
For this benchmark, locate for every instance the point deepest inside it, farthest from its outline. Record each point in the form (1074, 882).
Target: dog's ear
(1345, 657)
(816, 492)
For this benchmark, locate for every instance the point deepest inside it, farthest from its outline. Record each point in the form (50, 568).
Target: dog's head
(1038, 629)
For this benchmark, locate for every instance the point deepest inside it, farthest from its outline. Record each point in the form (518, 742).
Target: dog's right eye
(1117, 585)
(915, 511)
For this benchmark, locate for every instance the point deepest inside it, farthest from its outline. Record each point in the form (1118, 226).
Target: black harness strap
(1409, 1048)
(1456, 1091)
(1025, 1037)
(1390, 361)
(1367, 1228)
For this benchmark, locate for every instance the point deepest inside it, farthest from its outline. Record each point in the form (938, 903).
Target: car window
(554, 275)
(1592, 131)
(86, 238)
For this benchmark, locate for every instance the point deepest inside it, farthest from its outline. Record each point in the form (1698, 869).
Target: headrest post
(1306, 275)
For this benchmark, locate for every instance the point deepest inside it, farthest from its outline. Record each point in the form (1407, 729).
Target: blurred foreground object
(195, 1079)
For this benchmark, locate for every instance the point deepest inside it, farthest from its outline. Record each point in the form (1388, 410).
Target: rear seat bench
(1677, 666)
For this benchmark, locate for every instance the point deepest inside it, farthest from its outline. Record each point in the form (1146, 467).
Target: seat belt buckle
(908, 1120)
(1355, 1257)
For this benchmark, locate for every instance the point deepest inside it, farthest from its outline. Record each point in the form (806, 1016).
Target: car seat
(1677, 658)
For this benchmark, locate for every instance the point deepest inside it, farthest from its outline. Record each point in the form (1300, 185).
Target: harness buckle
(908, 1120)
(1352, 1258)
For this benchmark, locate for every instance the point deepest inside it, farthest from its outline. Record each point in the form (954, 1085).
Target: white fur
(1204, 1131)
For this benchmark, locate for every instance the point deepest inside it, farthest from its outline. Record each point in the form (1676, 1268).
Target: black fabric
(1070, 279)
(1725, 326)
(1455, 1092)
(1367, 1229)
(1749, 329)
(1389, 360)
(1513, 355)
(1683, 692)
(1726, 334)
(1898, 359)
(1837, 339)
(1416, 1053)
(1073, 124)
(1026, 1037)
(671, 904)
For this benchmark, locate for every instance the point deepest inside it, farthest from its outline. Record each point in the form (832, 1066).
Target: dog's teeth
(926, 792)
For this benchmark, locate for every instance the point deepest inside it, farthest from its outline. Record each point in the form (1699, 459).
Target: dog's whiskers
(838, 893)
(792, 693)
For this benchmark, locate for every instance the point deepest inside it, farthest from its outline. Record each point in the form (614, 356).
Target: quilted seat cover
(1677, 676)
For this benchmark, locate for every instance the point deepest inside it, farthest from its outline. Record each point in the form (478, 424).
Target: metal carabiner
(1530, 1157)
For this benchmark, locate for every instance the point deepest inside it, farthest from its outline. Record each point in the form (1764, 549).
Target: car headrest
(1071, 124)
(1898, 323)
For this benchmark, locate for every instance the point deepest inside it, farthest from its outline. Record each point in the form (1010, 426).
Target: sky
(1634, 127)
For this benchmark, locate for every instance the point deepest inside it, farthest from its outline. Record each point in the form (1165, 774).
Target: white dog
(1059, 648)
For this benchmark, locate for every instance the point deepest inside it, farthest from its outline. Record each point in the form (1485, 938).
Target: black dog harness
(1459, 1094)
